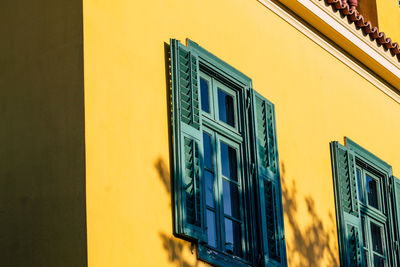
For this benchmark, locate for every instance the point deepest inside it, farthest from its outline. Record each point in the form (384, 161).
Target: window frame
(370, 164)
(220, 74)
(255, 134)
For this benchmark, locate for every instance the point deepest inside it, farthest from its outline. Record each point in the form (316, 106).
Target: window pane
(209, 181)
(205, 100)
(207, 151)
(231, 199)
(379, 261)
(226, 110)
(376, 234)
(233, 242)
(372, 191)
(228, 161)
(359, 184)
(211, 229)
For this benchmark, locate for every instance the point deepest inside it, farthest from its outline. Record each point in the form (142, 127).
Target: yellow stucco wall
(317, 98)
(389, 18)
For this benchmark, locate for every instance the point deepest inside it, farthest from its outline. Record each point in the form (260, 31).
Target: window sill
(218, 258)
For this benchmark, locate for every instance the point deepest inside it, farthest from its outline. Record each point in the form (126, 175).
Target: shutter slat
(189, 206)
(268, 181)
(396, 209)
(348, 215)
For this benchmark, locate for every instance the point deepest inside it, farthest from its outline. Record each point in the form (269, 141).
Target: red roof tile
(347, 8)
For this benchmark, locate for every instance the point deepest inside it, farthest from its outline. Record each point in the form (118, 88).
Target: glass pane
(231, 199)
(359, 184)
(211, 229)
(207, 151)
(228, 161)
(372, 191)
(379, 261)
(376, 234)
(226, 110)
(205, 100)
(209, 181)
(233, 242)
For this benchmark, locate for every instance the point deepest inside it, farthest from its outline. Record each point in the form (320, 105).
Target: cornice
(334, 49)
(354, 34)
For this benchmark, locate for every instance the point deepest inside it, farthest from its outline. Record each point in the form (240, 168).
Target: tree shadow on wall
(163, 174)
(174, 247)
(310, 244)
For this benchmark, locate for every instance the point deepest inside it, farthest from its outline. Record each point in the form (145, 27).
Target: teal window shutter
(187, 144)
(226, 152)
(268, 181)
(347, 209)
(396, 208)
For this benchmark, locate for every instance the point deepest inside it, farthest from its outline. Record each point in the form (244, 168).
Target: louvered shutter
(187, 144)
(396, 208)
(268, 181)
(348, 213)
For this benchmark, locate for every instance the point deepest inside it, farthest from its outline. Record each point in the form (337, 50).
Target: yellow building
(190, 133)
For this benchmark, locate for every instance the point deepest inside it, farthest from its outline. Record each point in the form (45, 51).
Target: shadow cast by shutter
(309, 245)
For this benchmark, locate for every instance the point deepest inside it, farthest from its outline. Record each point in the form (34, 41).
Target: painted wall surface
(42, 155)
(389, 18)
(317, 98)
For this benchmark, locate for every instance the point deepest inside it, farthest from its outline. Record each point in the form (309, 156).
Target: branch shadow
(174, 247)
(310, 244)
(163, 174)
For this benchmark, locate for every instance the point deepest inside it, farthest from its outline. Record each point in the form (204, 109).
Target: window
(367, 204)
(227, 191)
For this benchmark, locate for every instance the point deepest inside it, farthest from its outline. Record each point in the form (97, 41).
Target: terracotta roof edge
(366, 26)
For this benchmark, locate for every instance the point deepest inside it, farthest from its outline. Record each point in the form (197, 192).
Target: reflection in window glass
(231, 199)
(358, 172)
(207, 151)
(233, 243)
(205, 100)
(372, 191)
(379, 261)
(209, 183)
(211, 229)
(228, 161)
(376, 234)
(226, 109)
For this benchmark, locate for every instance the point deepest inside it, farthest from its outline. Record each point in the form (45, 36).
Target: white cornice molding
(343, 56)
(349, 31)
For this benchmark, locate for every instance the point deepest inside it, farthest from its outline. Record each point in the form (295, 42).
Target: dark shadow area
(310, 244)
(42, 155)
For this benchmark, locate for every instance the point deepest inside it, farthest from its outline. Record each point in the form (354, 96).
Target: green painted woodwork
(268, 180)
(396, 207)
(351, 210)
(252, 136)
(347, 211)
(187, 144)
